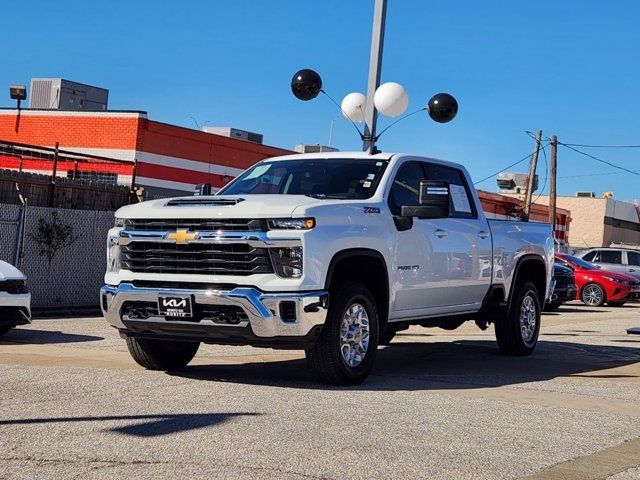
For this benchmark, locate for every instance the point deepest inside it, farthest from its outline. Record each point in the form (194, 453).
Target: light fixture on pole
(18, 92)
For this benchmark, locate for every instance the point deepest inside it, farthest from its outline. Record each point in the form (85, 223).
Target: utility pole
(532, 175)
(375, 68)
(553, 171)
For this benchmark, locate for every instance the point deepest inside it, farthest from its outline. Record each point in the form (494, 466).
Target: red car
(597, 285)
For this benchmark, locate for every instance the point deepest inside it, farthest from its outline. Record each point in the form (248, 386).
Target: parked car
(597, 285)
(565, 288)
(325, 253)
(621, 260)
(15, 299)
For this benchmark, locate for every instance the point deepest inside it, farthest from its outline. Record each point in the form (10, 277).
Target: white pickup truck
(330, 253)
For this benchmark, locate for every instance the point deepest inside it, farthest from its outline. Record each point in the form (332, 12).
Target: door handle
(632, 269)
(440, 233)
(483, 234)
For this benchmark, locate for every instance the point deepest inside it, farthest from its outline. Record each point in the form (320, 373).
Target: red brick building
(166, 159)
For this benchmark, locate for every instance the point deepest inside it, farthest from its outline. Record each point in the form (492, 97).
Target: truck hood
(224, 206)
(9, 272)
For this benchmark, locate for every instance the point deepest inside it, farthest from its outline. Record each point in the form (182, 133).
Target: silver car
(621, 260)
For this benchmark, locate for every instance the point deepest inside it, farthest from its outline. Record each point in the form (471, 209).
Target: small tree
(53, 235)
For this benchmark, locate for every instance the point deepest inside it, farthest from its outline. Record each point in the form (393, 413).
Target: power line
(599, 159)
(592, 174)
(584, 145)
(509, 166)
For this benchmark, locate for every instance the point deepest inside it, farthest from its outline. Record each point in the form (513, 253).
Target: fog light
(287, 262)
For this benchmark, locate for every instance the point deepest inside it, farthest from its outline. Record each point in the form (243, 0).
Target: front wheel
(517, 331)
(161, 354)
(346, 349)
(593, 295)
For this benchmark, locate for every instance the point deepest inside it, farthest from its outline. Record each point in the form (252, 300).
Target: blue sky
(569, 68)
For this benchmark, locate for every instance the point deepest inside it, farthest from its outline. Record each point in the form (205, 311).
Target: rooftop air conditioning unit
(301, 148)
(510, 182)
(586, 194)
(61, 94)
(234, 133)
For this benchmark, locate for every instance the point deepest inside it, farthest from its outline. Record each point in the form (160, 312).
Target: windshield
(348, 178)
(580, 262)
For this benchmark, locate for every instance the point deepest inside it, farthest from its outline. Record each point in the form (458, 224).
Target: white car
(15, 299)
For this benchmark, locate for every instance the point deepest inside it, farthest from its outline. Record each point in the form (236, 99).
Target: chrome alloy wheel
(354, 335)
(592, 295)
(528, 318)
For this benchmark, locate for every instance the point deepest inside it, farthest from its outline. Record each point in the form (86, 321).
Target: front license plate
(175, 307)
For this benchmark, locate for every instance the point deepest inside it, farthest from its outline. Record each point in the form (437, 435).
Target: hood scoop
(203, 202)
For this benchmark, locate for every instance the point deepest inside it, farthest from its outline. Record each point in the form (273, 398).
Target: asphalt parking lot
(439, 405)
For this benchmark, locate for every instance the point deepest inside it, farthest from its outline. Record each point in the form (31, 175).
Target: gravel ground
(440, 405)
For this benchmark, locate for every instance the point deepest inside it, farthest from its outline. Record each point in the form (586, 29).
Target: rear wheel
(161, 354)
(593, 295)
(517, 331)
(346, 349)
(5, 329)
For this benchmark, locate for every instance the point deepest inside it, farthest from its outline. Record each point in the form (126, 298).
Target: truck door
(468, 239)
(421, 258)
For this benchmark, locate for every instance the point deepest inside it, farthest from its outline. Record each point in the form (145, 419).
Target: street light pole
(375, 68)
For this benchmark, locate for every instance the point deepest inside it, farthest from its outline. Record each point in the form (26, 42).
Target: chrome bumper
(262, 309)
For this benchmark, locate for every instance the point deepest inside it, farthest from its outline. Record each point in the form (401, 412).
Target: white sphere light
(391, 99)
(353, 106)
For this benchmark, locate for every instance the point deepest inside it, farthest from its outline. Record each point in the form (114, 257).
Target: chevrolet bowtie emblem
(182, 237)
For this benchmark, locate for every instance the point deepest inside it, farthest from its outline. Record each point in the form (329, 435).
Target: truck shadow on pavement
(462, 364)
(152, 425)
(33, 336)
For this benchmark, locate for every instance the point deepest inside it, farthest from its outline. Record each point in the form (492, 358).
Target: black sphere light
(306, 84)
(442, 107)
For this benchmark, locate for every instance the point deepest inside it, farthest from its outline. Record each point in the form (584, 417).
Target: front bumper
(267, 318)
(564, 293)
(15, 309)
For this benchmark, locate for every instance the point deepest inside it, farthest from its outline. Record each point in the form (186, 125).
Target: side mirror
(434, 201)
(202, 189)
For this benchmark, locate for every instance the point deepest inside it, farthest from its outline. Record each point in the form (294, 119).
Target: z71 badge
(371, 209)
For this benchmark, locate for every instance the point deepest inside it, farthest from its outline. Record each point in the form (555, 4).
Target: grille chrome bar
(197, 224)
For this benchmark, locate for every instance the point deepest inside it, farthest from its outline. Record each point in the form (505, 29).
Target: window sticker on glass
(258, 171)
(459, 198)
(366, 184)
(371, 176)
(378, 164)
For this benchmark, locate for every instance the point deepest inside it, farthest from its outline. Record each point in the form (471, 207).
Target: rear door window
(633, 258)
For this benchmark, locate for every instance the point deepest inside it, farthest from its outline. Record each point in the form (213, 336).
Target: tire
(517, 331)
(334, 359)
(593, 295)
(615, 304)
(552, 307)
(5, 329)
(161, 354)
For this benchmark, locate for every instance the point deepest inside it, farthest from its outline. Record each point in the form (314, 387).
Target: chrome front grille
(195, 258)
(198, 224)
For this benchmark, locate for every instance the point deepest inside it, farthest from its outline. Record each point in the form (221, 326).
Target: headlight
(113, 254)
(617, 280)
(291, 223)
(287, 261)
(119, 222)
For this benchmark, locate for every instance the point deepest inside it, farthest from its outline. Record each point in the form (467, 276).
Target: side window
(406, 187)
(611, 256)
(633, 258)
(462, 205)
(591, 256)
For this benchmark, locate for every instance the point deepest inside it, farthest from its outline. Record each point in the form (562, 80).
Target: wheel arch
(367, 266)
(533, 268)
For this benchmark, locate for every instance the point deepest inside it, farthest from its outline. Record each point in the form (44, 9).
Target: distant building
(600, 222)
(167, 159)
